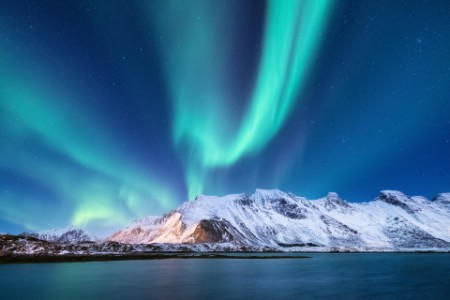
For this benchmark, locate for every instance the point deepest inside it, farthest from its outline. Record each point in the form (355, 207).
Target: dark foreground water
(324, 276)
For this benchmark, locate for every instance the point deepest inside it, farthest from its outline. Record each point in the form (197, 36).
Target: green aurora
(115, 110)
(202, 112)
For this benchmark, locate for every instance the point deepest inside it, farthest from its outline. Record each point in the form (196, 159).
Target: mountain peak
(333, 195)
(275, 193)
(59, 230)
(272, 218)
(68, 234)
(392, 194)
(442, 198)
(333, 201)
(397, 198)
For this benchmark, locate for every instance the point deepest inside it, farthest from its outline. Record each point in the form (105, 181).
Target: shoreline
(64, 258)
(33, 258)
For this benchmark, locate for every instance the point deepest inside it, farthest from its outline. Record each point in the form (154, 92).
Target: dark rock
(334, 202)
(404, 234)
(393, 199)
(289, 209)
(212, 231)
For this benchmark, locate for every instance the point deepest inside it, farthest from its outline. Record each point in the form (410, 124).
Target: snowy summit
(272, 218)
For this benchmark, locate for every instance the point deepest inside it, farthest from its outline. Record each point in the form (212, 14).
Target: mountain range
(273, 220)
(68, 234)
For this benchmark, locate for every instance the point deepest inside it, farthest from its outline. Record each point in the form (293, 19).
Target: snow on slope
(68, 234)
(272, 218)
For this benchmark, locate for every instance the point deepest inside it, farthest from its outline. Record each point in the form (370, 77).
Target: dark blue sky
(113, 110)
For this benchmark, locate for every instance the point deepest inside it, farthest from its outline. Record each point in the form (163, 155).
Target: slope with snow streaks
(140, 231)
(69, 234)
(272, 218)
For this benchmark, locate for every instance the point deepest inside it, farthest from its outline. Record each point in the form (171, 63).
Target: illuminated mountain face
(282, 221)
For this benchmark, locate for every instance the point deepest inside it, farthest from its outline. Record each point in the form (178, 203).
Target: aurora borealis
(114, 110)
(201, 125)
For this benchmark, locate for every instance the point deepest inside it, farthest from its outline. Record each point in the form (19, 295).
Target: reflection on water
(346, 276)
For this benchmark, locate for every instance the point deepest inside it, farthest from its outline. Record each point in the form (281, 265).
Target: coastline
(19, 249)
(36, 258)
(64, 258)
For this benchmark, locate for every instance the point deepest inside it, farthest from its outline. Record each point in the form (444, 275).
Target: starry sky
(114, 110)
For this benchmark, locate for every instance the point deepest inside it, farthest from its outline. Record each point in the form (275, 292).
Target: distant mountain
(279, 220)
(69, 234)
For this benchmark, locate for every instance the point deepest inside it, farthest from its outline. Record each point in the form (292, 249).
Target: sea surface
(323, 276)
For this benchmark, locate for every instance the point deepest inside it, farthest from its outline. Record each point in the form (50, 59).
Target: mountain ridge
(272, 218)
(68, 234)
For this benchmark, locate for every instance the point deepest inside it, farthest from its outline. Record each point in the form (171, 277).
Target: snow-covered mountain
(272, 218)
(68, 234)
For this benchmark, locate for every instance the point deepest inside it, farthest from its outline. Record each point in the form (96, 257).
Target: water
(324, 276)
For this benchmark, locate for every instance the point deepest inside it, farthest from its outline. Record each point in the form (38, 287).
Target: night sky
(114, 110)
